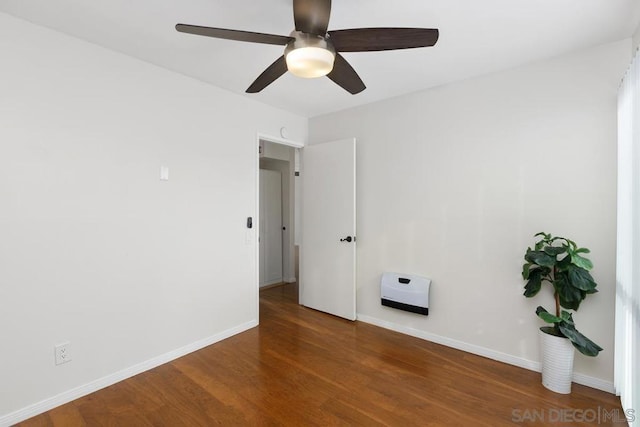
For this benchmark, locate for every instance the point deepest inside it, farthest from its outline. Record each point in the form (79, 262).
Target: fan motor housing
(308, 40)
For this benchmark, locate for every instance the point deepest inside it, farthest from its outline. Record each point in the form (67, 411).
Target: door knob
(347, 239)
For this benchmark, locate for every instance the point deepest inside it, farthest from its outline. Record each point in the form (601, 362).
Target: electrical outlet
(63, 354)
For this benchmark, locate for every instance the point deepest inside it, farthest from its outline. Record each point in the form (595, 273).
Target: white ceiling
(476, 37)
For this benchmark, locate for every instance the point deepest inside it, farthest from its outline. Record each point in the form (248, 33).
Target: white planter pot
(557, 363)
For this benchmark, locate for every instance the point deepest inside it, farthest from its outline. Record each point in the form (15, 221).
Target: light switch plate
(164, 173)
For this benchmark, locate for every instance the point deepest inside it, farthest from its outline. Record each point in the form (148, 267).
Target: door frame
(276, 140)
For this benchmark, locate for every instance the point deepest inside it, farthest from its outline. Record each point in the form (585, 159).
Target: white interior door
(328, 247)
(270, 227)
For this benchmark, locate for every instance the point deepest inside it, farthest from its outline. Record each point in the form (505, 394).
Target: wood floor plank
(301, 367)
(66, 415)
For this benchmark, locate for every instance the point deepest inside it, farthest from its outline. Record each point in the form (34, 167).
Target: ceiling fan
(311, 51)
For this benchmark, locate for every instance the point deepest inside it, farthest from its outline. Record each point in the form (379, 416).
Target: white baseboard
(70, 395)
(289, 280)
(483, 351)
(271, 282)
(593, 382)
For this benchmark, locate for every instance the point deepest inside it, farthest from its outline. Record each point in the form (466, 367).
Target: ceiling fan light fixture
(309, 55)
(310, 62)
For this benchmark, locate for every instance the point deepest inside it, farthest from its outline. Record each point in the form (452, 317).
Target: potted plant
(560, 262)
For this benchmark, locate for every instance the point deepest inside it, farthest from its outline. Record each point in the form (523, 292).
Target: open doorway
(279, 192)
(327, 279)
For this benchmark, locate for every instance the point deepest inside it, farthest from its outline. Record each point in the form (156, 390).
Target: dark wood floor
(305, 368)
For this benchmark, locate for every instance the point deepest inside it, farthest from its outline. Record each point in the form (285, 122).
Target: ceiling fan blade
(242, 36)
(268, 76)
(373, 39)
(312, 16)
(345, 76)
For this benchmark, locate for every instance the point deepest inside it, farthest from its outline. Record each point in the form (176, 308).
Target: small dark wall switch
(249, 222)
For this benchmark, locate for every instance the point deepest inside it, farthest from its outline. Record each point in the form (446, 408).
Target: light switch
(164, 173)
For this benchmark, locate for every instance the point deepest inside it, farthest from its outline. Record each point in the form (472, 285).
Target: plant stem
(555, 293)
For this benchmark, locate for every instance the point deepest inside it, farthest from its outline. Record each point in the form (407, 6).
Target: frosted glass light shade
(310, 62)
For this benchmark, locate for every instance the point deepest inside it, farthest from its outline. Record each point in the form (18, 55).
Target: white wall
(94, 248)
(454, 182)
(635, 44)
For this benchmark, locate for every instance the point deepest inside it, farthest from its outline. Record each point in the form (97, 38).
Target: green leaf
(566, 317)
(564, 263)
(554, 250)
(579, 341)
(549, 318)
(546, 316)
(583, 251)
(552, 330)
(571, 243)
(540, 258)
(545, 240)
(570, 298)
(541, 309)
(569, 304)
(536, 275)
(581, 261)
(534, 284)
(525, 271)
(581, 279)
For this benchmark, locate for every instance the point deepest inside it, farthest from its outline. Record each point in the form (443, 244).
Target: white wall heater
(405, 292)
